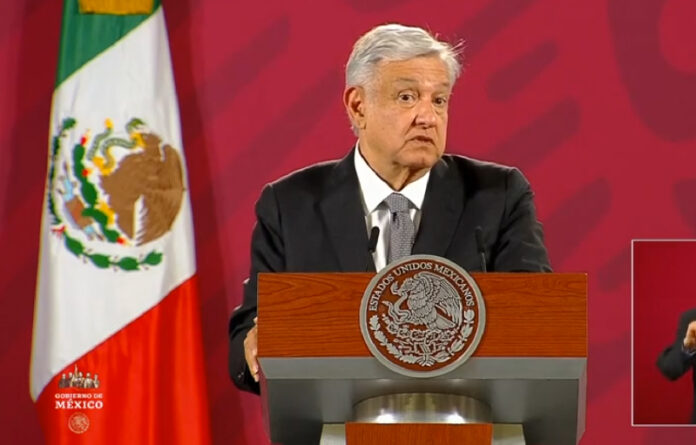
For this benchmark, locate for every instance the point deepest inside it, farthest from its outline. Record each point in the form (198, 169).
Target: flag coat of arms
(117, 350)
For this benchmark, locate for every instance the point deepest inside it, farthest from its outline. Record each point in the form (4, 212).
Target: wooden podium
(530, 365)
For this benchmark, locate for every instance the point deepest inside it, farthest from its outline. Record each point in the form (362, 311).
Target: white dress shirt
(373, 192)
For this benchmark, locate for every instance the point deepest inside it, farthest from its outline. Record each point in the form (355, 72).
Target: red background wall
(663, 288)
(593, 99)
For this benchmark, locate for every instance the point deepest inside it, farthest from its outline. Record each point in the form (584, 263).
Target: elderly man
(399, 83)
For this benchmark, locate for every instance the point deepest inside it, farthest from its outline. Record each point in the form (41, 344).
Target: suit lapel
(442, 208)
(344, 217)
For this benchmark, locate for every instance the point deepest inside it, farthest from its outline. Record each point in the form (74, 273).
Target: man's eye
(407, 97)
(440, 101)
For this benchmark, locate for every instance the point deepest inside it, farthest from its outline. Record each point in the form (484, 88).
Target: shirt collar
(374, 189)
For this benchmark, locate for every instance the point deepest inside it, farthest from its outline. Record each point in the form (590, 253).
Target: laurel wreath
(405, 344)
(90, 195)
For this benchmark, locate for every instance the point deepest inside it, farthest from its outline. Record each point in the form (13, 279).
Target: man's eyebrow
(411, 80)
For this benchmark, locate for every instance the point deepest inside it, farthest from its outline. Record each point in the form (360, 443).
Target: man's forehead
(429, 69)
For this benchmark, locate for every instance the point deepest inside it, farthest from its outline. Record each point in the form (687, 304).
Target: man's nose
(426, 115)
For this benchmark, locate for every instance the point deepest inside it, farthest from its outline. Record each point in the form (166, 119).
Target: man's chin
(423, 160)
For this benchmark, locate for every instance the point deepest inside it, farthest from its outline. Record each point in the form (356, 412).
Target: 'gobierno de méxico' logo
(422, 316)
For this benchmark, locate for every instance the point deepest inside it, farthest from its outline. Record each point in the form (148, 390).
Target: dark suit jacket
(313, 221)
(674, 362)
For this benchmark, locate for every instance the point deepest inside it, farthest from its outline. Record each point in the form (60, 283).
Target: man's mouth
(422, 139)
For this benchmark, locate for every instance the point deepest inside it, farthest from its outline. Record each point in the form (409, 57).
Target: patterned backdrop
(594, 99)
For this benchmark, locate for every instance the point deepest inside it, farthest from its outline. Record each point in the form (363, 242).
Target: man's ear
(354, 101)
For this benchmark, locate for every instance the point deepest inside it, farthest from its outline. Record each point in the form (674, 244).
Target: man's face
(404, 116)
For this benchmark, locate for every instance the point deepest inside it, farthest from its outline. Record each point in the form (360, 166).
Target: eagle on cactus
(117, 188)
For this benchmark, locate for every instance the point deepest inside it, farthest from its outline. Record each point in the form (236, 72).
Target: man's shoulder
(468, 164)
(484, 173)
(308, 179)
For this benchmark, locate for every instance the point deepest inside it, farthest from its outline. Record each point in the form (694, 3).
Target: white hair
(392, 43)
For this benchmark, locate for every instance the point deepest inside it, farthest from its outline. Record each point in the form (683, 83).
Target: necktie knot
(396, 202)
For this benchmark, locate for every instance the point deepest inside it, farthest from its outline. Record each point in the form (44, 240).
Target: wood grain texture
(527, 315)
(418, 433)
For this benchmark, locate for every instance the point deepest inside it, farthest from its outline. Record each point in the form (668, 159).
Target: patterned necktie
(402, 230)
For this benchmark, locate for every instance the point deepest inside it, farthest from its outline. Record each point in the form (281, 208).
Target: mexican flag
(117, 352)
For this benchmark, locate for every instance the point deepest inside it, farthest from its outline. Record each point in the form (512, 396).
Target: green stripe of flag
(84, 36)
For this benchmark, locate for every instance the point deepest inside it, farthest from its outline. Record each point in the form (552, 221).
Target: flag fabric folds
(117, 351)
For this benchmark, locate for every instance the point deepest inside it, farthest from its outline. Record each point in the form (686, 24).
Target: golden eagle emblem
(118, 188)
